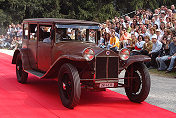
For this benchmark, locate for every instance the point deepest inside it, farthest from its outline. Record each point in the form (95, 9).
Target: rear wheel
(139, 86)
(21, 74)
(69, 85)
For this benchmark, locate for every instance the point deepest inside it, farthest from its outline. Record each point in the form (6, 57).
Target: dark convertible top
(60, 21)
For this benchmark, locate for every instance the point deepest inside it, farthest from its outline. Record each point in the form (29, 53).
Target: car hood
(76, 48)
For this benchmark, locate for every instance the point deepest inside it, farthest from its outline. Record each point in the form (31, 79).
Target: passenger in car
(47, 35)
(59, 35)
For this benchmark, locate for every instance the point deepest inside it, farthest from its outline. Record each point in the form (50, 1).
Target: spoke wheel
(139, 86)
(21, 74)
(69, 86)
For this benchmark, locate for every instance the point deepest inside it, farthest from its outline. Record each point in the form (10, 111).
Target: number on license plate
(106, 85)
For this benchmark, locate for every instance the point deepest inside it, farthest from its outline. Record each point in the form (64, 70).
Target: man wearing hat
(171, 57)
(157, 45)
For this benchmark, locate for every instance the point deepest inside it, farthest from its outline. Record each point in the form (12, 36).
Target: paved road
(162, 93)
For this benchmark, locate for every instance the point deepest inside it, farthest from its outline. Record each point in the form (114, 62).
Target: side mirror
(52, 34)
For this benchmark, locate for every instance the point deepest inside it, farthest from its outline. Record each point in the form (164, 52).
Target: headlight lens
(88, 54)
(124, 54)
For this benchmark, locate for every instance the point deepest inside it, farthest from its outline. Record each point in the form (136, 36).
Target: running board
(36, 73)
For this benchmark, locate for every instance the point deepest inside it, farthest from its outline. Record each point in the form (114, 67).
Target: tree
(96, 10)
(144, 4)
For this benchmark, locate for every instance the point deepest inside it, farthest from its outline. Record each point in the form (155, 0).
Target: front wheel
(139, 85)
(21, 74)
(69, 85)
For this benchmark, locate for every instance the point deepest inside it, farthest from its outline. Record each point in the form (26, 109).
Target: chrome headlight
(88, 54)
(124, 54)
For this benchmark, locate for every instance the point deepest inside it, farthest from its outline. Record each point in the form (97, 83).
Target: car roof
(60, 21)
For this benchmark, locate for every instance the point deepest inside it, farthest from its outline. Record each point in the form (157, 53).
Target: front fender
(53, 71)
(136, 58)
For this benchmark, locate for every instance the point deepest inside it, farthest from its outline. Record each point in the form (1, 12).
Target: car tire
(69, 85)
(138, 88)
(20, 73)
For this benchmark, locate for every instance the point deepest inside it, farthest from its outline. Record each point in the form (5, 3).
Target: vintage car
(67, 49)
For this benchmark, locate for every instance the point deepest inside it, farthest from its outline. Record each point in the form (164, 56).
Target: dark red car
(67, 49)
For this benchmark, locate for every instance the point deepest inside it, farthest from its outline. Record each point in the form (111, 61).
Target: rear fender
(17, 51)
(24, 57)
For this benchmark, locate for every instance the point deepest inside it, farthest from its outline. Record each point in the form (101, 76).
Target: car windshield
(76, 33)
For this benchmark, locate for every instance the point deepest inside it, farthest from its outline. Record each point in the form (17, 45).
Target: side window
(45, 33)
(33, 31)
(25, 31)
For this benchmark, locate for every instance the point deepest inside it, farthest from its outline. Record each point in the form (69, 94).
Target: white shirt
(159, 37)
(140, 44)
(156, 46)
(146, 34)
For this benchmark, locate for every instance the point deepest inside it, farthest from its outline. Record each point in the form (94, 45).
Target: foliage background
(14, 11)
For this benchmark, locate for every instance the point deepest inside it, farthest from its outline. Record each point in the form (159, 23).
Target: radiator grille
(106, 67)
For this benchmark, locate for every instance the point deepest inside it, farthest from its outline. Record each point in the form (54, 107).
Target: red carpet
(40, 99)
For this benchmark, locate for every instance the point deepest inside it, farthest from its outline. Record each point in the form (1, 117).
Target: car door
(44, 47)
(32, 45)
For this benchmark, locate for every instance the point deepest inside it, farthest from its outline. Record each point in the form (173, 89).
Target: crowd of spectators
(147, 33)
(13, 38)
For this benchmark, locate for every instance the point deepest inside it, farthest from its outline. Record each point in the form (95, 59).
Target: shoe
(160, 69)
(168, 71)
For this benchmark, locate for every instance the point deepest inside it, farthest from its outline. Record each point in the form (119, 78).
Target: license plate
(106, 85)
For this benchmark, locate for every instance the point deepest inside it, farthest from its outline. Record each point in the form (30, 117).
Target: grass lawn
(162, 73)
